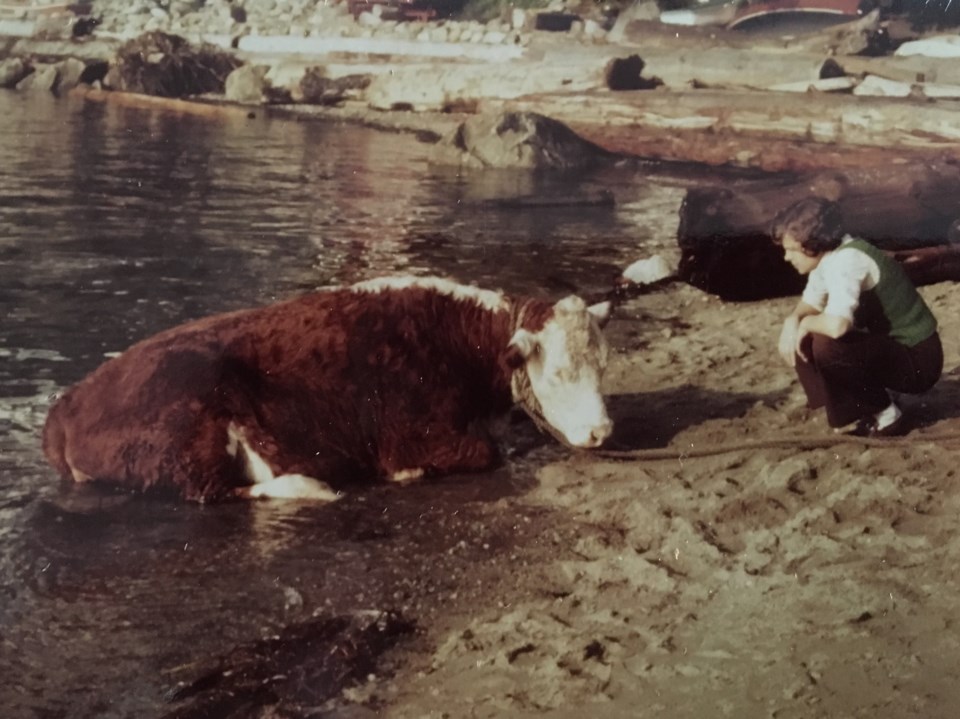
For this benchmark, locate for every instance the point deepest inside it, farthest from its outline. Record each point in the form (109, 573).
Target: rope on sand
(694, 451)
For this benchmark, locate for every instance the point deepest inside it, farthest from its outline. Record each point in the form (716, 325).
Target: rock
(54, 27)
(12, 71)
(881, 87)
(317, 89)
(648, 270)
(789, 475)
(247, 84)
(70, 73)
(518, 140)
(44, 77)
(941, 46)
(626, 73)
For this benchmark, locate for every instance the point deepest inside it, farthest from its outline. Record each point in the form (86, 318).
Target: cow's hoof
(405, 476)
(289, 486)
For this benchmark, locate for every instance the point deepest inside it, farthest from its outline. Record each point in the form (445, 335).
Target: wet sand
(758, 583)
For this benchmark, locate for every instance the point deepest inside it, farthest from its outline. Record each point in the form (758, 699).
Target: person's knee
(823, 350)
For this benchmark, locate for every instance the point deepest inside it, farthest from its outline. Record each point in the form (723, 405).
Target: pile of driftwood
(156, 63)
(910, 210)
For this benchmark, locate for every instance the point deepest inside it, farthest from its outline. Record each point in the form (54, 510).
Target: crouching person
(860, 329)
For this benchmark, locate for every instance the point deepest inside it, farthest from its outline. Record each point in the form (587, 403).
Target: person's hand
(788, 341)
(803, 329)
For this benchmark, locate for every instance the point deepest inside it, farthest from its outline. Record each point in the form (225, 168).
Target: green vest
(904, 314)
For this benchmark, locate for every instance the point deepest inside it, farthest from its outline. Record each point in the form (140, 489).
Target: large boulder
(518, 140)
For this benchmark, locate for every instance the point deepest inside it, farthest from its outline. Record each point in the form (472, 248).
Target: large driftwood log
(853, 37)
(764, 130)
(915, 68)
(725, 241)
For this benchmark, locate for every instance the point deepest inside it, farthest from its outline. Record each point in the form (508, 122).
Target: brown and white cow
(389, 378)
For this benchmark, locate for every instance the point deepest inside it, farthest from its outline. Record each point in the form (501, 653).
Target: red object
(844, 8)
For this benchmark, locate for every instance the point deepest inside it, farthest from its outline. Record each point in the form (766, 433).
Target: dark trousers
(850, 376)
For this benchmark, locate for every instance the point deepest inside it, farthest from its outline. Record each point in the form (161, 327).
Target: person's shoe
(867, 427)
(896, 428)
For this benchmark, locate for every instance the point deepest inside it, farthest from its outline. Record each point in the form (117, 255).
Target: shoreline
(798, 583)
(705, 99)
(761, 582)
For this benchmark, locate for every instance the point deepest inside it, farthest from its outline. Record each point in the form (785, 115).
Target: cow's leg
(437, 452)
(265, 482)
(289, 486)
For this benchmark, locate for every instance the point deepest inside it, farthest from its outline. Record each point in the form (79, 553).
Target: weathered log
(765, 130)
(913, 68)
(928, 265)
(859, 35)
(725, 242)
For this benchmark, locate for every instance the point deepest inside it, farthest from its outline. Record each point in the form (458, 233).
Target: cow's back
(327, 375)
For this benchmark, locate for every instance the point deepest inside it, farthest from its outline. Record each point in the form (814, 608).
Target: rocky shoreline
(864, 93)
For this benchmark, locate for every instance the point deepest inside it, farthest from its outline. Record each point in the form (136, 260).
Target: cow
(390, 379)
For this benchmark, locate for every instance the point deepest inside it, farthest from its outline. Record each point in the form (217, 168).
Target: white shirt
(834, 286)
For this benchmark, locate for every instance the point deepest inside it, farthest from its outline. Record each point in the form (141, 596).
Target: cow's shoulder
(492, 300)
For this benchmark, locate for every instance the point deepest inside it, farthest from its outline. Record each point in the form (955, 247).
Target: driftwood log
(911, 211)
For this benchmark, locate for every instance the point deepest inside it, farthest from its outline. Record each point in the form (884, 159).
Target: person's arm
(836, 283)
(832, 326)
(824, 323)
(849, 272)
(790, 333)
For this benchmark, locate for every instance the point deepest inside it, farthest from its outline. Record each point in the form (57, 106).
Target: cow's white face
(565, 362)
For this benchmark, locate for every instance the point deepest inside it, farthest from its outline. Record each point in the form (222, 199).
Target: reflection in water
(120, 222)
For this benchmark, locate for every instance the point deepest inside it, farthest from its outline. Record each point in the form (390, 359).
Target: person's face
(797, 256)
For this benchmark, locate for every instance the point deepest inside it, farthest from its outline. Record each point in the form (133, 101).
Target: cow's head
(558, 369)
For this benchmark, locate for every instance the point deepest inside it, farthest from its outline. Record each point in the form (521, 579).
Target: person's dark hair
(813, 222)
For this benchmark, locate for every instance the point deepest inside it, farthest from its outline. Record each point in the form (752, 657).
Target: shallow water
(119, 222)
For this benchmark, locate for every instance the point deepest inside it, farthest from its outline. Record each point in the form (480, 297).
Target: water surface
(116, 223)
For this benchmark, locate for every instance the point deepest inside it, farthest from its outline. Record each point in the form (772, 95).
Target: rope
(523, 395)
(772, 443)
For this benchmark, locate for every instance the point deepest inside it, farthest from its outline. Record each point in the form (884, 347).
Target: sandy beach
(776, 582)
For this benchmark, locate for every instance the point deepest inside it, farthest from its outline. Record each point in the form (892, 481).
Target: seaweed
(304, 667)
(156, 63)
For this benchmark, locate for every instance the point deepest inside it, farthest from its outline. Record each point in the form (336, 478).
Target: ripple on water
(119, 223)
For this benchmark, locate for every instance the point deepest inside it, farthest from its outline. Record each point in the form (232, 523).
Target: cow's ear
(522, 346)
(601, 311)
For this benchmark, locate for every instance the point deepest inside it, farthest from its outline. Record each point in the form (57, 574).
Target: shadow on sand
(652, 419)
